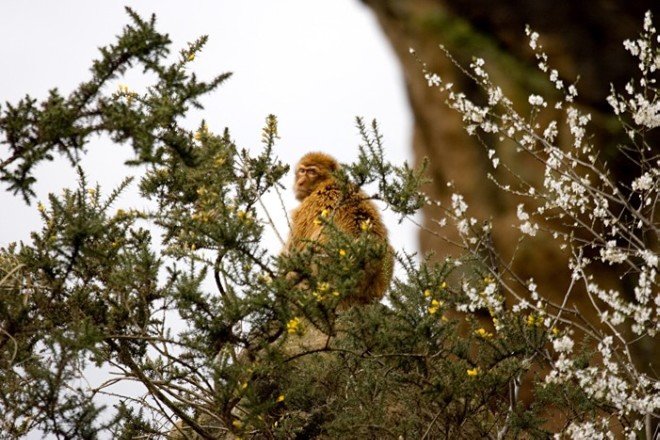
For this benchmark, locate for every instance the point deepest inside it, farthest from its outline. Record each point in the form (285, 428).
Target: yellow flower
(365, 225)
(204, 129)
(443, 285)
(473, 372)
(317, 222)
(237, 423)
(534, 320)
(482, 333)
(335, 293)
(427, 293)
(280, 398)
(244, 385)
(342, 253)
(325, 213)
(555, 331)
(293, 325)
(323, 286)
(191, 57)
(435, 305)
(530, 320)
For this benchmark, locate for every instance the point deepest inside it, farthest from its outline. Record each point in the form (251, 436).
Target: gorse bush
(222, 344)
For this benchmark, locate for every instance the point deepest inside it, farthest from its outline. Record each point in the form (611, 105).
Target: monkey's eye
(310, 172)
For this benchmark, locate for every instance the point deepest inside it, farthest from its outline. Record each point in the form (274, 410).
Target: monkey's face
(307, 179)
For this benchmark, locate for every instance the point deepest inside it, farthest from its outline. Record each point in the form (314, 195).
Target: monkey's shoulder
(329, 191)
(326, 196)
(350, 206)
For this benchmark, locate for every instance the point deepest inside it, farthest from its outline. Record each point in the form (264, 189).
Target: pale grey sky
(315, 64)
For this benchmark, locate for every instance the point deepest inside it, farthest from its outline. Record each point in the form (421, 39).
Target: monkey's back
(353, 213)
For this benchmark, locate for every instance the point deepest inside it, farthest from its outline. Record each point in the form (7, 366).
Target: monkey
(352, 212)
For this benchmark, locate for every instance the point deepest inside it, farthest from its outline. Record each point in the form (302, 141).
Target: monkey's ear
(331, 162)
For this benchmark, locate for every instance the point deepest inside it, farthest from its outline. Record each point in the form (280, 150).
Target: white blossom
(643, 182)
(537, 100)
(650, 257)
(526, 227)
(533, 38)
(488, 298)
(432, 79)
(550, 133)
(647, 113)
(494, 95)
(563, 344)
(520, 306)
(618, 106)
(648, 22)
(611, 254)
(477, 68)
(572, 93)
(458, 204)
(631, 47)
(629, 88)
(587, 431)
(463, 227)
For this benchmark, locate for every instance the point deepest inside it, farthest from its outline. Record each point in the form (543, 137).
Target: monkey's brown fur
(319, 194)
